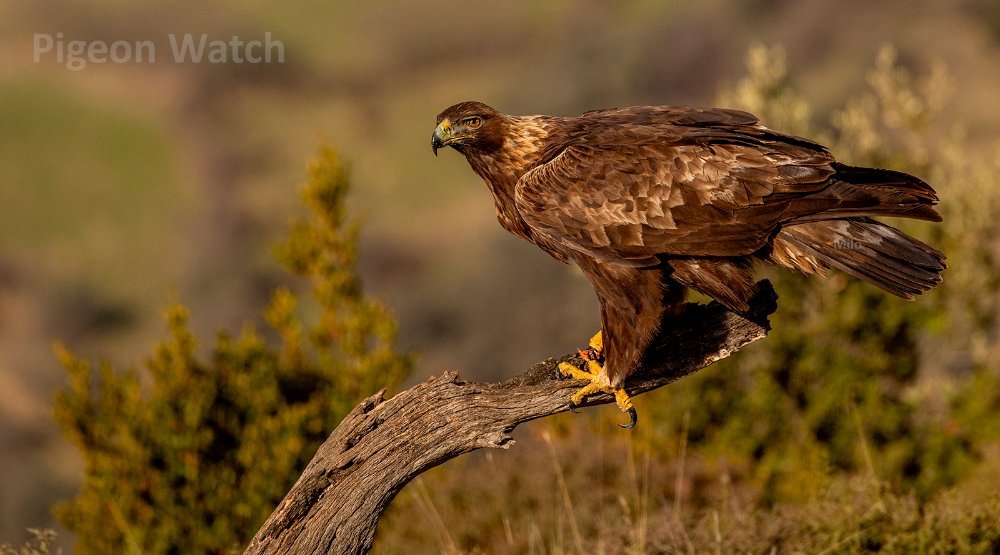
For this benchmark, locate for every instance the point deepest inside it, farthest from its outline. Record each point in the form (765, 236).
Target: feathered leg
(633, 303)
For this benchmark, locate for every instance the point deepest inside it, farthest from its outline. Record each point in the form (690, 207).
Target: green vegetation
(193, 459)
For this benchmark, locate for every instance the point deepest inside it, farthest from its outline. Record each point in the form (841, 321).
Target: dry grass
(586, 492)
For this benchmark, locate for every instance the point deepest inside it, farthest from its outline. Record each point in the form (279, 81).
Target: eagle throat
(523, 148)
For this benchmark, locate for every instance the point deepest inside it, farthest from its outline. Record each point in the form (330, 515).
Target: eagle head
(469, 126)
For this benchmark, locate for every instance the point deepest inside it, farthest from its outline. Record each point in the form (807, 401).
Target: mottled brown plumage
(650, 200)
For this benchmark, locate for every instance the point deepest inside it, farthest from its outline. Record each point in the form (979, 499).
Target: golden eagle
(650, 200)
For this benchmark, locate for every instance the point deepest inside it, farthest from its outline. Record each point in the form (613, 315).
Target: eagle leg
(625, 404)
(599, 383)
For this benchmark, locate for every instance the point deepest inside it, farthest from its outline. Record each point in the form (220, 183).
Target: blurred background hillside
(125, 186)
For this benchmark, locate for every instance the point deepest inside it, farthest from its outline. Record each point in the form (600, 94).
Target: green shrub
(190, 454)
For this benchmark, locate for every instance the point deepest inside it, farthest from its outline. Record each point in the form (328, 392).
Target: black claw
(572, 406)
(633, 417)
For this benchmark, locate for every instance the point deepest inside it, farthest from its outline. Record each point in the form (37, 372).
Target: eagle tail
(864, 248)
(856, 191)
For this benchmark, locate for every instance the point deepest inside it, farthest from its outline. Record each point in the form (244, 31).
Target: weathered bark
(384, 443)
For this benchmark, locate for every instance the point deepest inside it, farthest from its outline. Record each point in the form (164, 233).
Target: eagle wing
(631, 193)
(672, 115)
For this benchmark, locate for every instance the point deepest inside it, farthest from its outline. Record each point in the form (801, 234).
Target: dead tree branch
(384, 443)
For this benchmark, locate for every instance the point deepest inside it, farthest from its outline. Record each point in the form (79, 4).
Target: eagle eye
(472, 122)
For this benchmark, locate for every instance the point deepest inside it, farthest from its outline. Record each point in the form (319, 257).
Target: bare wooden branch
(384, 443)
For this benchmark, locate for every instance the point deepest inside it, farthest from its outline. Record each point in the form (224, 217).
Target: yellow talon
(625, 404)
(582, 393)
(595, 386)
(598, 383)
(570, 371)
(623, 400)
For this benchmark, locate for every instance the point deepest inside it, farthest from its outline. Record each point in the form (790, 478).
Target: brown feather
(871, 251)
(727, 280)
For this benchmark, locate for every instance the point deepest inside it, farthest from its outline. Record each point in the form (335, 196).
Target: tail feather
(856, 191)
(864, 248)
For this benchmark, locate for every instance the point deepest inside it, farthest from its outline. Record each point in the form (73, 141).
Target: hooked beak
(442, 136)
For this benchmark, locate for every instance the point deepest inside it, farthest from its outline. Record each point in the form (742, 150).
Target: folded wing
(628, 194)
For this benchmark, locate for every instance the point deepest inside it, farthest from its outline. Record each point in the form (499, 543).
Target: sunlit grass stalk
(564, 492)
